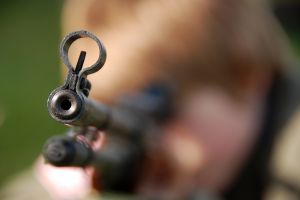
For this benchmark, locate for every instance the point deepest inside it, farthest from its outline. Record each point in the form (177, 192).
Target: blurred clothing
(271, 154)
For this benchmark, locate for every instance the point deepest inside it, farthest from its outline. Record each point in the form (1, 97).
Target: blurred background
(29, 70)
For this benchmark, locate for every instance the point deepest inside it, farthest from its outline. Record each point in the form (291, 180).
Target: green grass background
(29, 70)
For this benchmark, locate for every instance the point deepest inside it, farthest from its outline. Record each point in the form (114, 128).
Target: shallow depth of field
(29, 70)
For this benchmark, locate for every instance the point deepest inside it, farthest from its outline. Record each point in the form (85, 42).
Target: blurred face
(210, 137)
(144, 41)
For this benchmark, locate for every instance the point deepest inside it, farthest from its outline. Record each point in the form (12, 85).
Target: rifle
(130, 125)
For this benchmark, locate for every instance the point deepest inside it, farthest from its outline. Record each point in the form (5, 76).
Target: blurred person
(234, 131)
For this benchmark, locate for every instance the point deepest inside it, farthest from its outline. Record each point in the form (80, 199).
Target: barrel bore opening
(66, 104)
